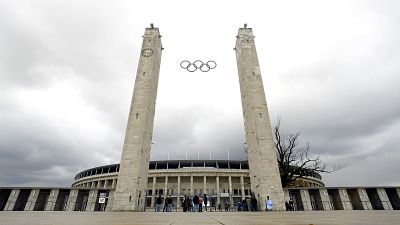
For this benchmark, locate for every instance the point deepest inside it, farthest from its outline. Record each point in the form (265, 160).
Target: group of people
(195, 204)
(289, 205)
(243, 205)
(167, 204)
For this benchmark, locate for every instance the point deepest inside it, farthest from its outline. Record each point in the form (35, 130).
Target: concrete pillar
(73, 195)
(134, 166)
(384, 199)
(12, 199)
(345, 199)
(98, 184)
(178, 198)
(32, 200)
(191, 186)
(110, 201)
(91, 202)
(366, 203)
(153, 192)
(51, 201)
(326, 203)
(113, 183)
(242, 187)
(305, 198)
(165, 188)
(286, 194)
(205, 185)
(92, 186)
(230, 191)
(263, 167)
(105, 184)
(218, 194)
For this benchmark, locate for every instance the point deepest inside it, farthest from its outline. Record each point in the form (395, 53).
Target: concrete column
(32, 200)
(12, 199)
(91, 202)
(384, 199)
(230, 191)
(166, 187)
(305, 198)
(153, 192)
(113, 183)
(105, 184)
(345, 199)
(92, 186)
(326, 203)
(178, 198)
(205, 185)
(110, 201)
(263, 167)
(132, 177)
(242, 187)
(191, 186)
(73, 195)
(98, 184)
(366, 203)
(218, 194)
(51, 201)
(286, 194)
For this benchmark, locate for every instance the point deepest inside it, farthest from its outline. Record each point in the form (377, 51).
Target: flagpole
(227, 150)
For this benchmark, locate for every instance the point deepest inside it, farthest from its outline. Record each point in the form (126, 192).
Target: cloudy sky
(331, 71)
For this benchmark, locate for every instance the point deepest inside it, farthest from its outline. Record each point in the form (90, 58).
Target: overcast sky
(331, 71)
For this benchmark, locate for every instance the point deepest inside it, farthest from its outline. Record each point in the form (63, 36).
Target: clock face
(147, 52)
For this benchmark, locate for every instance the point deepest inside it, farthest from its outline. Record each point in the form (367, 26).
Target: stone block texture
(263, 166)
(132, 178)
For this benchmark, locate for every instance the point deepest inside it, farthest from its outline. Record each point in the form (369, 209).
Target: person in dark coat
(205, 199)
(184, 204)
(169, 202)
(165, 204)
(158, 203)
(195, 203)
(253, 203)
(291, 204)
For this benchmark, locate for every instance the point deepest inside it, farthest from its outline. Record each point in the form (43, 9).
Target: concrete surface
(209, 218)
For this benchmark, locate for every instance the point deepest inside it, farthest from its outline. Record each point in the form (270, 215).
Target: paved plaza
(209, 218)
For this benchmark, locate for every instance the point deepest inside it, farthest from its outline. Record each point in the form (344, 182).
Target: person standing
(291, 204)
(195, 203)
(184, 204)
(253, 204)
(165, 208)
(169, 202)
(158, 203)
(268, 203)
(200, 204)
(205, 199)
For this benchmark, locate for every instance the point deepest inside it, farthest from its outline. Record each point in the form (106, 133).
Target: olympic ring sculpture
(198, 64)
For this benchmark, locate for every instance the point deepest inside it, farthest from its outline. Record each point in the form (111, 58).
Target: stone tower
(130, 191)
(263, 167)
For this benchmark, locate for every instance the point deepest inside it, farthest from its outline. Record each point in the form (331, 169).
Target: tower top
(245, 30)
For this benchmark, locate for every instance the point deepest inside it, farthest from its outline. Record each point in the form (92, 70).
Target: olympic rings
(198, 64)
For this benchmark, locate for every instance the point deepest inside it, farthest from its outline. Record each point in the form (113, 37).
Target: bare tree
(296, 162)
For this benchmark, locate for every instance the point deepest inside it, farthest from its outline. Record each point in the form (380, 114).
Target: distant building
(221, 180)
